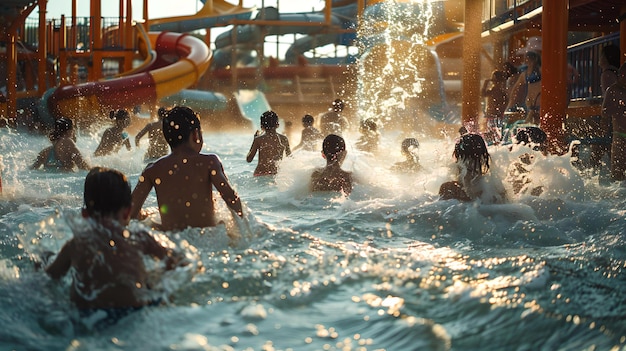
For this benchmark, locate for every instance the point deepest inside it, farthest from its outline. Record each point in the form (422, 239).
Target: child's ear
(323, 155)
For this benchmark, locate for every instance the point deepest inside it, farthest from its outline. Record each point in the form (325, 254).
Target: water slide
(344, 14)
(161, 78)
(177, 62)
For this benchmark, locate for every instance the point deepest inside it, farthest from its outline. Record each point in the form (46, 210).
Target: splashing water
(397, 82)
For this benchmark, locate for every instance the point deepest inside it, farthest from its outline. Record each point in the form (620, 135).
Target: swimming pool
(390, 267)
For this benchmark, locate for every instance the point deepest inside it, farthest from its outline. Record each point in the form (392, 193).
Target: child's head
(61, 127)
(368, 126)
(409, 146)
(121, 117)
(269, 120)
(471, 150)
(337, 105)
(178, 125)
(106, 192)
(498, 76)
(307, 120)
(334, 148)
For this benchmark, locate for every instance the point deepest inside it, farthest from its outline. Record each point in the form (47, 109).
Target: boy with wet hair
(184, 179)
(270, 144)
(115, 137)
(157, 146)
(332, 177)
(310, 135)
(106, 259)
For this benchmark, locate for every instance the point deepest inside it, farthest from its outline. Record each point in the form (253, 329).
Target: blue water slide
(247, 35)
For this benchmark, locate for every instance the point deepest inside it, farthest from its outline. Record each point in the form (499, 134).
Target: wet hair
(499, 76)
(407, 143)
(471, 149)
(178, 124)
(369, 125)
(119, 115)
(269, 120)
(531, 135)
(338, 105)
(106, 191)
(612, 55)
(333, 144)
(308, 120)
(509, 69)
(61, 126)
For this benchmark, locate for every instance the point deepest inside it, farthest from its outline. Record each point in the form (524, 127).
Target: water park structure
(405, 62)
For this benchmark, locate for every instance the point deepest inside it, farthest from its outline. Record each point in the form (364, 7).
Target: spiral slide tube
(163, 78)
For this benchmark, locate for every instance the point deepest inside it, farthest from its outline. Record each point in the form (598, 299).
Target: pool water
(388, 268)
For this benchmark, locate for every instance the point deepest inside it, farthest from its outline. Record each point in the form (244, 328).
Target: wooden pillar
(129, 42)
(471, 62)
(96, 41)
(146, 24)
(11, 74)
(42, 49)
(554, 97)
(63, 51)
(622, 33)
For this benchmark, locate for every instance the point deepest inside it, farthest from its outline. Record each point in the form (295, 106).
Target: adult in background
(529, 82)
(332, 122)
(613, 107)
(609, 64)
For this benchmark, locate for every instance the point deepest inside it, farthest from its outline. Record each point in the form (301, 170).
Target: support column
(471, 63)
(622, 33)
(42, 48)
(554, 97)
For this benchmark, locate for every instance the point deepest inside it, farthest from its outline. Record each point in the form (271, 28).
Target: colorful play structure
(419, 59)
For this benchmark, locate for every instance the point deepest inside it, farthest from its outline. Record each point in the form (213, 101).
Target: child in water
(495, 92)
(370, 137)
(332, 177)
(106, 261)
(184, 179)
(113, 138)
(472, 159)
(311, 136)
(63, 155)
(270, 144)
(157, 146)
(409, 149)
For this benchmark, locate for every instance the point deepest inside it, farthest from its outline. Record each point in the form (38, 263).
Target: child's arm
(220, 181)
(75, 156)
(127, 143)
(253, 149)
(62, 262)
(287, 148)
(43, 155)
(141, 134)
(140, 194)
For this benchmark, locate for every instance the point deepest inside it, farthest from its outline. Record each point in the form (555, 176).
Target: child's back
(270, 145)
(311, 136)
(184, 179)
(113, 138)
(332, 177)
(106, 259)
